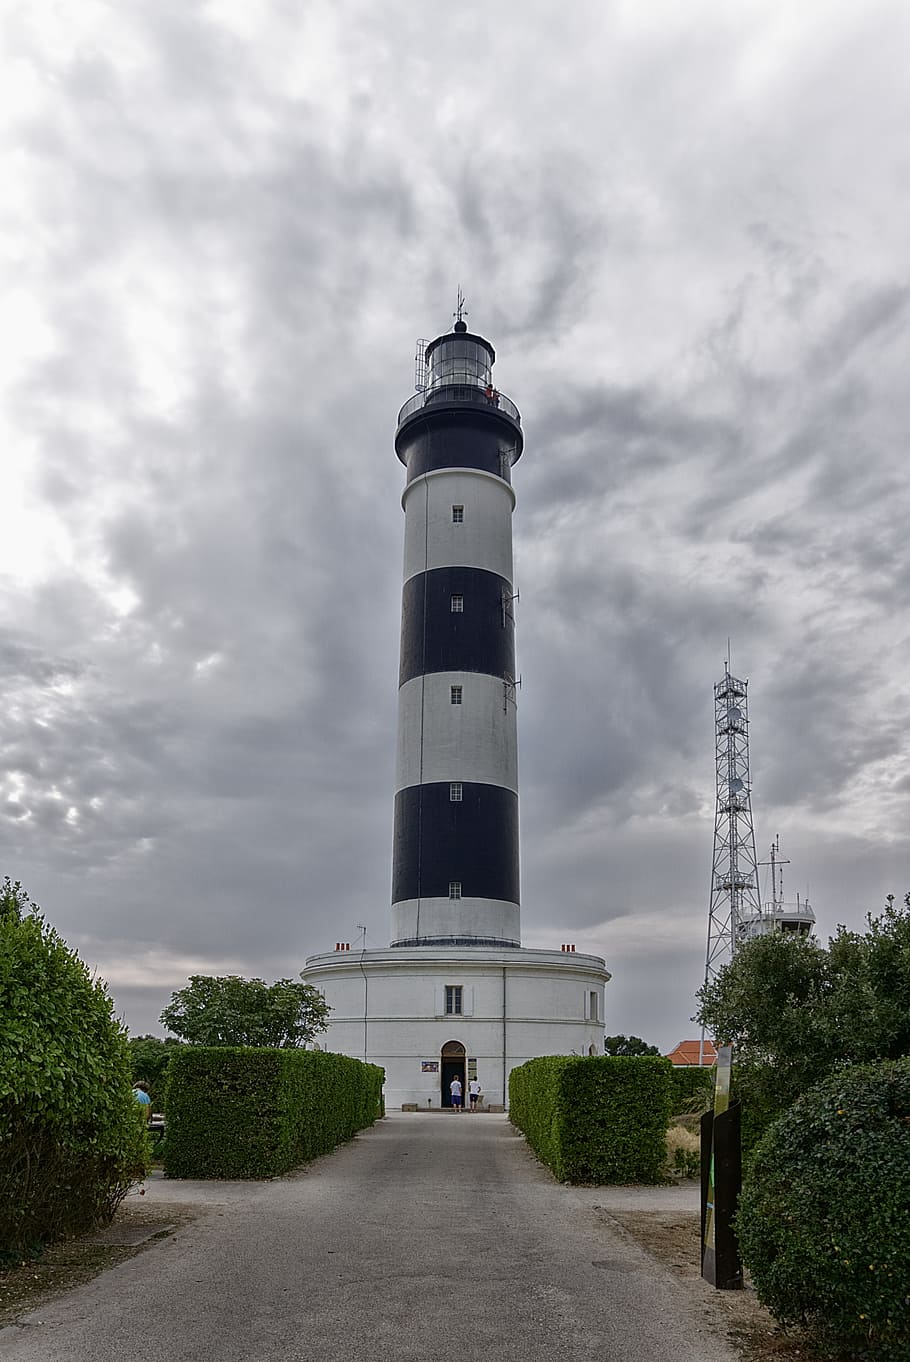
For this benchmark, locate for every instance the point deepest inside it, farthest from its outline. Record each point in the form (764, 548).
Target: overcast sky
(685, 230)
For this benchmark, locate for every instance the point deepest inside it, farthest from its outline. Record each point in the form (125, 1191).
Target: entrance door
(452, 1065)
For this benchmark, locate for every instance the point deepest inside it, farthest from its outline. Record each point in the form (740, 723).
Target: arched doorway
(452, 1066)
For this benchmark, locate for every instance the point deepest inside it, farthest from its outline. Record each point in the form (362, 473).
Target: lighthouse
(455, 994)
(455, 870)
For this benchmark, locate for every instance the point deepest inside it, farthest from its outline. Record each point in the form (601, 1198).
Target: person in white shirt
(474, 1092)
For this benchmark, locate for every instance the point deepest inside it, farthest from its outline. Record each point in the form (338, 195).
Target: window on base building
(592, 1010)
(457, 515)
(455, 791)
(455, 694)
(456, 604)
(453, 1000)
(454, 889)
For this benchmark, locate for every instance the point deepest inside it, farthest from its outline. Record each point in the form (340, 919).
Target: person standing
(474, 1092)
(141, 1094)
(455, 1089)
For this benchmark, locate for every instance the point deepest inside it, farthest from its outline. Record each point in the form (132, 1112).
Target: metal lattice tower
(734, 873)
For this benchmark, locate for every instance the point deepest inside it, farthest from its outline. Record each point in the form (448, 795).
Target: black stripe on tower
(480, 637)
(475, 438)
(474, 841)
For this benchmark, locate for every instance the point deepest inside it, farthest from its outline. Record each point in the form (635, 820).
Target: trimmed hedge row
(255, 1113)
(595, 1120)
(688, 1082)
(824, 1214)
(149, 1060)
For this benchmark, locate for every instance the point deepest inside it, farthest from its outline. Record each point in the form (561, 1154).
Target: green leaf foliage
(595, 1120)
(796, 1011)
(628, 1045)
(150, 1057)
(255, 1112)
(71, 1138)
(691, 1087)
(824, 1214)
(228, 1010)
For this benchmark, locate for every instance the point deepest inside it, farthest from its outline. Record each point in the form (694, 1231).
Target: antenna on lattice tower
(734, 901)
(778, 914)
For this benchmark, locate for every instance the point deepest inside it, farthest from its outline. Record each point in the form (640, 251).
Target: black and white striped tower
(455, 877)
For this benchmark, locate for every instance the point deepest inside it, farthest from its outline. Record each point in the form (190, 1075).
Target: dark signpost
(721, 1179)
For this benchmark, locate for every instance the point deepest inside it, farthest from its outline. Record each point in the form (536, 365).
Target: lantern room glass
(459, 361)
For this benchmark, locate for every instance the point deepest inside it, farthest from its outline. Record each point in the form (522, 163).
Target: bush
(149, 1059)
(762, 1101)
(254, 1112)
(597, 1120)
(691, 1088)
(72, 1139)
(683, 1152)
(823, 1218)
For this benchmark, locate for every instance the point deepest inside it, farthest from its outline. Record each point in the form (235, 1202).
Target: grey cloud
(234, 259)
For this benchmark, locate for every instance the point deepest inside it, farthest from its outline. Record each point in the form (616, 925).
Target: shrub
(149, 1059)
(597, 1120)
(691, 1088)
(72, 1140)
(762, 1101)
(254, 1112)
(683, 1152)
(823, 1218)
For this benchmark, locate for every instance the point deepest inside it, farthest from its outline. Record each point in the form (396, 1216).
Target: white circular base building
(427, 1014)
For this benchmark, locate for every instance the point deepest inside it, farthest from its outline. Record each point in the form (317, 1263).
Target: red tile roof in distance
(686, 1053)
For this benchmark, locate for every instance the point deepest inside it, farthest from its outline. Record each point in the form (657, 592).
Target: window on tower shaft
(453, 1000)
(457, 605)
(455, 791)
(455, 694)
(454, 889)
(457, 515)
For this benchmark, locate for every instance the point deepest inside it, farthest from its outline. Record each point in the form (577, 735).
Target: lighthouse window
(455, 694)
(453, 1000)
(455, 791)
(457, 603)
(457, 515)
(592, 1007)
(454, 889)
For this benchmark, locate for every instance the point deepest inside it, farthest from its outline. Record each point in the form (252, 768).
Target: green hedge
(597, 1120)
(824, 1214)
(689, 1086)
(149, 1058)
(254, 1113)
(72, 1139)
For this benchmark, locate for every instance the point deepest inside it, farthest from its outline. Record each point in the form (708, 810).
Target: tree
(795, 1011)
(228, 1010)
(71, 1139)
(628, 1045)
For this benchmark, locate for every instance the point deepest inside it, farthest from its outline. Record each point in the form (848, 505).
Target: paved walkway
(423, 1238)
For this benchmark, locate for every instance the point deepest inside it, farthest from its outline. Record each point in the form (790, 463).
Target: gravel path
(426, 1237)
